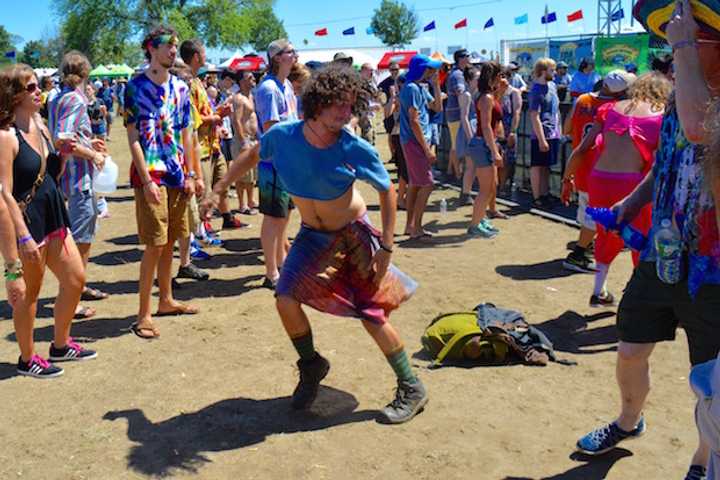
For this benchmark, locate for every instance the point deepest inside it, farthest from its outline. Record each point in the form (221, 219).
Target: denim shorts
(478, 150)
(83, 212)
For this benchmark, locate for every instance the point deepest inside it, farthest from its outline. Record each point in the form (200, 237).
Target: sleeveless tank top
(495, 117)
(46, 211)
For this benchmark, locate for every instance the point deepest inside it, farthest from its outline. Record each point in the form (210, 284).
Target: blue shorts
(544, 159)
(83, 212)
(478, 150)
(434, 134)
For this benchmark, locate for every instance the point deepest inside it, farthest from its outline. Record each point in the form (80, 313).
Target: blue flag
(617, 15)
(521, 19)
(549, 18)
(10, 54)
(349, 31)
(370, 31)
(429, 26)
(489, 24)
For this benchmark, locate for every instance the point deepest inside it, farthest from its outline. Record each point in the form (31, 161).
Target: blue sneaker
(488, 226)
(480, 231)
(197, 253)
(210, 241)
(605, 438)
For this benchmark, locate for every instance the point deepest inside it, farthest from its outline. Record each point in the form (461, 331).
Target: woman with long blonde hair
(28, 165)
(626, 134)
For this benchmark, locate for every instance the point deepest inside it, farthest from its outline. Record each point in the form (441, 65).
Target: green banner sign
(616, 52)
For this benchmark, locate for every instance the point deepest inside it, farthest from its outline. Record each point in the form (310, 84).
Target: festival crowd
(644, 148)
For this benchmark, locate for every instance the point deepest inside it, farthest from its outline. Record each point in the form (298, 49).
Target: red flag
(575, 16)
(321, 33)
(461, 24)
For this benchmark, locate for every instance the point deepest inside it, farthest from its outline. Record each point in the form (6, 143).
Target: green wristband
(12, 276)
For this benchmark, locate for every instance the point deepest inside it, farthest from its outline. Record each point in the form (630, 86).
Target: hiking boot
(38, 367)
(605, 299)
(577, 262)
(410, 399)
(605, 438)
(192, 272)
(696, 472)
(71, 351)
(311, 374)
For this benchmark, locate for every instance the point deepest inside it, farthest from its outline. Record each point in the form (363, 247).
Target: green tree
(395, 23)
(109, 31)
(6, 43)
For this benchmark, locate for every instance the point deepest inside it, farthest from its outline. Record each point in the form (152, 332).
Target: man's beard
(167, 64)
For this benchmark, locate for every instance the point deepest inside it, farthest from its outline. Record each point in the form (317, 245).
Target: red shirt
(586, 107)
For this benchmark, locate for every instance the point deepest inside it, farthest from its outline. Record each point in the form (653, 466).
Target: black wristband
(387, 249)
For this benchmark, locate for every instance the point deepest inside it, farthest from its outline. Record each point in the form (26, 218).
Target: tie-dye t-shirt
(681, 194)
(160, 113)
(207, 132)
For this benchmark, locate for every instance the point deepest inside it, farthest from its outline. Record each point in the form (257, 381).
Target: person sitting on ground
(626, 134)
(483, 148)
(28, 167)
(339, 263)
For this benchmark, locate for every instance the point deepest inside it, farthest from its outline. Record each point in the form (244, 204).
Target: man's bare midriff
(331, 215)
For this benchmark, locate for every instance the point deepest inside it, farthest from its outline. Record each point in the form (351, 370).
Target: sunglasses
(164, 40)
(290, 52)
(31, 87)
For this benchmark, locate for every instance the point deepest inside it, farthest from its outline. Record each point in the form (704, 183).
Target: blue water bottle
(608, 219)
(668, 245)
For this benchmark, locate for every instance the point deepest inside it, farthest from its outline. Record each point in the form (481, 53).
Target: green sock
(401, 366)
(304, 346)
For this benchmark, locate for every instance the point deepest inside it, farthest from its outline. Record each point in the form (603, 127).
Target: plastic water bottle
(443, 206)
(669, 252)
(608, 219)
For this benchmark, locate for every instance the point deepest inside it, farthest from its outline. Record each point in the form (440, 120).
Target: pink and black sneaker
(38, 367)
(72, 351)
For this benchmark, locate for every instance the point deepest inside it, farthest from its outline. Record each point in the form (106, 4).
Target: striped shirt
(68, 114)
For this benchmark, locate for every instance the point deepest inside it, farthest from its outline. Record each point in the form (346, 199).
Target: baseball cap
(617, 81)
(418, 64)
(562, 64)
(277, 47)
(460, 54)
(513, 65)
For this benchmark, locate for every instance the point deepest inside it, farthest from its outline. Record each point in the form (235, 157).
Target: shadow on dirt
(180, 442)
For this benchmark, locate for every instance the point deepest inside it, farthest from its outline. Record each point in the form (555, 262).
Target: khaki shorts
(214, 168)
(454, 128)
(251, 176)
(164, 222)
(193, 214)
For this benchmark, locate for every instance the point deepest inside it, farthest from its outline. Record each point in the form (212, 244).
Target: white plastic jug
(105, 180)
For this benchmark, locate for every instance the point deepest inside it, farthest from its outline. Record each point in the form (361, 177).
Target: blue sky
(303, 17)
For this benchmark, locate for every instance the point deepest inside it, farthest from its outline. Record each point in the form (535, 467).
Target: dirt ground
(210, 399)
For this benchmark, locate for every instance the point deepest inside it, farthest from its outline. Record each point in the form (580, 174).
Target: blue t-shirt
(321, 173)
(544, 99)
(414, 96)
(106, 95)
(274, 102)
(583, 82)
(455, 86)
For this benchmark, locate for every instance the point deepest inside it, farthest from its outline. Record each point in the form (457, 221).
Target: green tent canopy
(99, 71)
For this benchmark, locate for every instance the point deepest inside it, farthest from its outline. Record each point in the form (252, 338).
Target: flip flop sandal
(91, 294)
(138, 330)
(84, 313)
(181, 310)
(498, 215)
(422, 236)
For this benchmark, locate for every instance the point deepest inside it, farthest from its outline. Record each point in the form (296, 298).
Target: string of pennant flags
(547, 18)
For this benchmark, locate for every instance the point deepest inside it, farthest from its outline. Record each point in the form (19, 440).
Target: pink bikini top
(644, 131)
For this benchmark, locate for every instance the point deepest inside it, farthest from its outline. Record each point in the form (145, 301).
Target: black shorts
(650, 311)
(275, 201)
(544, 159)
(399, 158)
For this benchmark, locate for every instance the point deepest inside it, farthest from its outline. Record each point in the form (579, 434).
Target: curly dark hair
(333, 84)
(153, 34)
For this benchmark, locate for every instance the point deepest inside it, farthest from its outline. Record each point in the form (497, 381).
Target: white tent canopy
(227, 62)
(326, 55)
(45, 72)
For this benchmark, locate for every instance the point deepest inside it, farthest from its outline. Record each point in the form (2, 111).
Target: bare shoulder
(8, 142)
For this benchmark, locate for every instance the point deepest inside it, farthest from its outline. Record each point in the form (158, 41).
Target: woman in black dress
(28, 165)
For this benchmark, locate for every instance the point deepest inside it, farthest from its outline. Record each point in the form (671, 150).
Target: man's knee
(634, 352)
(287, 306)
